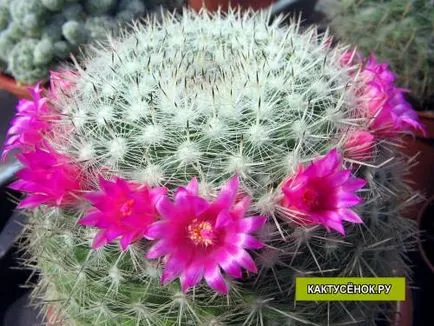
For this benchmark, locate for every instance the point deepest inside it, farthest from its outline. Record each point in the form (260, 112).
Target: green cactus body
(208, 98)
(22, 61)
(399, 31)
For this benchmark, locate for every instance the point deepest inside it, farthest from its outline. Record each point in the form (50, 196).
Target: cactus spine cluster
(209, 97)
(36, 34)
(399, 31)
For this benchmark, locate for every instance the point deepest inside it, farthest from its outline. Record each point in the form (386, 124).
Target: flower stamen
(127, 208)
(201, 233)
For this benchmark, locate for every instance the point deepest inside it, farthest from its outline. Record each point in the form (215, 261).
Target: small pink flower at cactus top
(61, 81)
(31, 122)
(122, 209)
(394, 116)
(323, 193)
(48, 178)
(359, 145)
(200, 238)
(380, 101)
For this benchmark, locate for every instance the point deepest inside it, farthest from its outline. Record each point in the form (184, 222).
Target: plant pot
(213, 5)
(426, 238)
(9, 84)
(421, 175)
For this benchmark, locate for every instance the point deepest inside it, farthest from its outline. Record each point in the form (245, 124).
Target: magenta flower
(198, 237)
(380, 101)
(323, 193)
(123, 209)
(48, 178)
(394, 116)
(359, 145)
(30, 124)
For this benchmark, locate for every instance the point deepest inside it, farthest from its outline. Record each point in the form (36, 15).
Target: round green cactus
(66, 23)
(399, 31)
(21, 61)
(212, 97)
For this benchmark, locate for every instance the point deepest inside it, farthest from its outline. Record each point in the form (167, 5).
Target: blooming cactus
(323, 193)
(226, 157)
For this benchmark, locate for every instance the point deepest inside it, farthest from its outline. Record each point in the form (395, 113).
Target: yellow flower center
(201, 233)
(127, 208)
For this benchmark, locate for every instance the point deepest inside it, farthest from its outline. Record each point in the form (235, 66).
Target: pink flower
(359, 144)
(384, 104)
(123, 209)
(30, 124)
(48, 178)
(198, 238)
(381, 71)
(394, 116)
(323, 193)
(61, 81)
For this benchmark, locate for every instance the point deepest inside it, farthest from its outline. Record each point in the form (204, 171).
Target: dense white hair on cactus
(86, 151)
(152, 134)
(117, 147)
(79, 118)
(188, 152)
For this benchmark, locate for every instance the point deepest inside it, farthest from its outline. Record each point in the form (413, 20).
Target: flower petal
(174, 267)
(223, 219)
(157, 250)
(166, 208)
(245, 260)
(193, 186)
(156, 230)
(228, 193)
(126, 240)
(251, 224)
(347, 199)
(91, 219)
(228, 264)
(246, 241)
(349, 215)
(215, 279)
(200, 205)
(32, 201)
(240, 208)
(191, 276)
(353, 184)
(99, 240)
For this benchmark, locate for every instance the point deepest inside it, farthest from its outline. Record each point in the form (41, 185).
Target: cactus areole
(187, 172)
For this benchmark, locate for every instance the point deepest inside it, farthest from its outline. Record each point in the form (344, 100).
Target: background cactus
(399, 31)
(36, 34)
(210, 97)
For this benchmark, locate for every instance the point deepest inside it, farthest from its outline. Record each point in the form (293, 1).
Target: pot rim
(10, 85)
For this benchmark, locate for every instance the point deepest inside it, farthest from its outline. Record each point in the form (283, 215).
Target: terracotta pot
(213, 5)
(10, 85)
(421, 175)
(425, 223)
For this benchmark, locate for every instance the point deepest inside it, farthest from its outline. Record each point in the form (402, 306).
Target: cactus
(212, 104)
(399, 31)
(67, 24)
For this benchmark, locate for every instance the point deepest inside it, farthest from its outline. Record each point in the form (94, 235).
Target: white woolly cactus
(223, 156)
